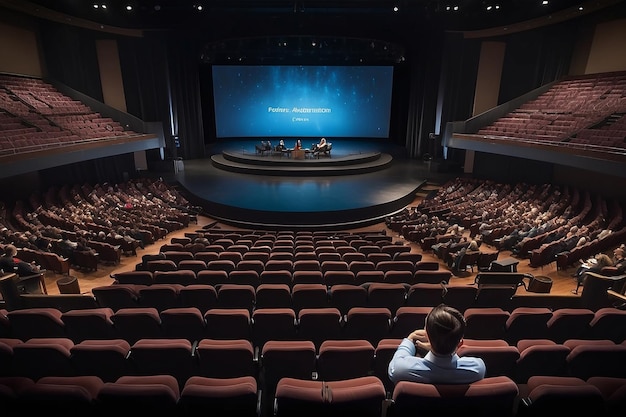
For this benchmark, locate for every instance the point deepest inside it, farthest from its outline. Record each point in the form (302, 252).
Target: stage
(358, 184)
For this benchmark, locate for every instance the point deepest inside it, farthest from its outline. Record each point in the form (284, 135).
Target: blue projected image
(302, 101)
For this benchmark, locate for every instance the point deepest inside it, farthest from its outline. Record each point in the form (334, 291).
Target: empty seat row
(281, 272)
(315, 324)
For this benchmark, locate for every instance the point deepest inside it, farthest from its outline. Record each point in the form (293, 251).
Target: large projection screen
(302, 101)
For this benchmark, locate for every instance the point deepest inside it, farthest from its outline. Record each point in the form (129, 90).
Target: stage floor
(274, 201)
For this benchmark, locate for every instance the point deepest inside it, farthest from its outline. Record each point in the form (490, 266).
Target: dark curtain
(535, 58)
(70, 57)
(422, 83)
(459, 69)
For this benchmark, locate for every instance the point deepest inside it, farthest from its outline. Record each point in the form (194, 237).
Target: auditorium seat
(368, 323)
(425, 295)
(345, 297)
(319, 324)
(500, 358)
(244, 277)
(344, 359)
(363, 396)
(230, 323)
(236, 296)
(183, 323)
(226, 358)
(160, 296)
(36, 323)
(527, 323)
(408, 319)
(273, 296)
(273, 324)
(460, 297)
(117, 296)
(163, 357)
(179, 277)
(309, 296)
(485, 323)
(540, 357)
(588, 358)
(200, 296)
(62, 395)
(383, 353)
(134, 277)
(386, 295)
(153, 395)
(614, 393)
(236, 396)
(569, 395)
(284, 359)
(87, 324)
(132, 324)
(106, 359)
(568, 323)
(212, 277)
(608, 323)
(40, 357)
(489, 397)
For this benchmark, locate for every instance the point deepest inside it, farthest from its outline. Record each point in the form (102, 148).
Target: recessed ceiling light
(396, 8)
(545, 2)
(129, 7)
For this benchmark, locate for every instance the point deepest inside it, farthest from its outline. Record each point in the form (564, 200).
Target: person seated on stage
(281, 146)
(263, 147)
(320, 147)
(429, 355)
(298, 145)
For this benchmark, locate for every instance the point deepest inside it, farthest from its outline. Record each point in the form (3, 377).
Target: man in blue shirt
(437, 362)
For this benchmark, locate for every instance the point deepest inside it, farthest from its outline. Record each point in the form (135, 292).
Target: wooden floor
(563, 282)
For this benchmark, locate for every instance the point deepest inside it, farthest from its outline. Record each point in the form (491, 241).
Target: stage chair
(362, 397)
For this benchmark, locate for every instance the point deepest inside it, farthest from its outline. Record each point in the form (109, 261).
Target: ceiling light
(396, 8)
(129, 8)
(104, 6)
(95, 6)
(456, 8)
(545, 2)
(489, 7)
(581, 8)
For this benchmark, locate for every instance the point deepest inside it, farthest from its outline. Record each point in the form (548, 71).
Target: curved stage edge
(343, 191)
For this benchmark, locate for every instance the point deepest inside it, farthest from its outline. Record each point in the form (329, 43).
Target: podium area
(359, 184)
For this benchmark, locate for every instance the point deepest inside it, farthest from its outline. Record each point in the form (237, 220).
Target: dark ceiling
(175, 14)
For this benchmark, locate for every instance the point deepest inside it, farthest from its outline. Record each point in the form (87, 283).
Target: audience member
(437, 361)
(9, 262)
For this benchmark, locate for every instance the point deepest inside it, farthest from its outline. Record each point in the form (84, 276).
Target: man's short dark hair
(445, 327)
